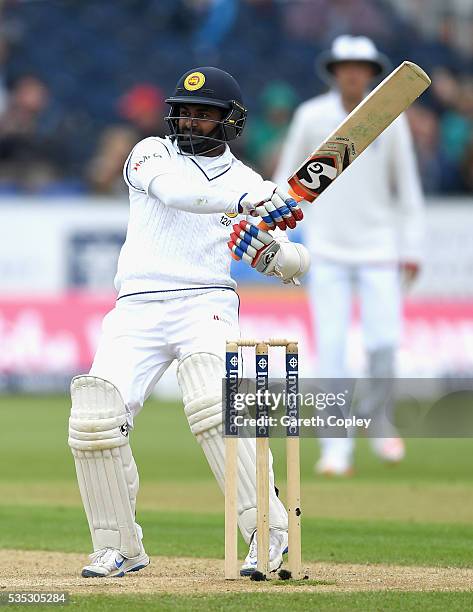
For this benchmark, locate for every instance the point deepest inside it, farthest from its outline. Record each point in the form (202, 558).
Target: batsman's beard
(196, 144)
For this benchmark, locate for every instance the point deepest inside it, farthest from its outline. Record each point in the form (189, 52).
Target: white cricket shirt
(182, 209)
(374, 211)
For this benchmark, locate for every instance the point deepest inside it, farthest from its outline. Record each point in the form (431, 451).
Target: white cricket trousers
(139, 342)
(140, 339)
(332, 286)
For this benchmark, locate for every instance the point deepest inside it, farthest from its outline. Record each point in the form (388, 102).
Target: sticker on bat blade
(319, 171)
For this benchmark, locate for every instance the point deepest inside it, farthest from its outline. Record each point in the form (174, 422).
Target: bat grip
(294, 195)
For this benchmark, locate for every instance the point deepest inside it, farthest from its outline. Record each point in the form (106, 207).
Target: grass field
(411, 524)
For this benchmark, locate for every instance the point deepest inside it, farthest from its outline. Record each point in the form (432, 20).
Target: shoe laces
(104, 556)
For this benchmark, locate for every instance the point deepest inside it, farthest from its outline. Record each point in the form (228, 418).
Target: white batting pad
(200, 380)
(106, 471)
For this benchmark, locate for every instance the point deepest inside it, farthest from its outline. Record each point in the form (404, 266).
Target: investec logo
(262, 363)
(292, 409)
(261, 373)
(231, 389)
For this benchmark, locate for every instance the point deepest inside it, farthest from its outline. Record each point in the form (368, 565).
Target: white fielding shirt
(176, 242)
(374, 211)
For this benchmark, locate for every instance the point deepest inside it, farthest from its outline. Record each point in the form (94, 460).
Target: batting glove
(273, 205)
(270, 256)
(247, 242)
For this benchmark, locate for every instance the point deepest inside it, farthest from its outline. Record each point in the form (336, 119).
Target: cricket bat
(363, 125)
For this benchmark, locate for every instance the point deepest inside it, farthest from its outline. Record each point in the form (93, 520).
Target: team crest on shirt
(194, 81)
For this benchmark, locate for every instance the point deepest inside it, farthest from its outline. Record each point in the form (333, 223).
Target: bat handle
(294, 195)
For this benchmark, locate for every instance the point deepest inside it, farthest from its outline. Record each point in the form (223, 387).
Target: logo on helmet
(194, 81)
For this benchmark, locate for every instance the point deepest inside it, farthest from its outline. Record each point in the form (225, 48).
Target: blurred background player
(177, 301)
(364, 234)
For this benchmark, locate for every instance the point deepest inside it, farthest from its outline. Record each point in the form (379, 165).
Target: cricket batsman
(364, 236)
(177, 301)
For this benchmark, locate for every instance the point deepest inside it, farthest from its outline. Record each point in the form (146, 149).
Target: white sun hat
(348, 48)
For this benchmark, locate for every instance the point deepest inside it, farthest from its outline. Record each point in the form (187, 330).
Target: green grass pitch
(419, 513)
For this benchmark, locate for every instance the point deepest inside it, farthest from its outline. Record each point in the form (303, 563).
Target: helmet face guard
(228, 128)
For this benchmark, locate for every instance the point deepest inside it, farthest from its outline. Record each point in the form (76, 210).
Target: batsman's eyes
(187, 115)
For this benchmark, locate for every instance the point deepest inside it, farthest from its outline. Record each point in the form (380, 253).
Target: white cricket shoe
(391, 450)
(333, 465)
(336, 457)
(277, 548)
(109, 563)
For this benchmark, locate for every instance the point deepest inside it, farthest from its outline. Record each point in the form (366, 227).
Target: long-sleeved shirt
(373, 212)
(181, 211)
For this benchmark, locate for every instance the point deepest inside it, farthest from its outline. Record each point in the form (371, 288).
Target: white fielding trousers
(332, 287)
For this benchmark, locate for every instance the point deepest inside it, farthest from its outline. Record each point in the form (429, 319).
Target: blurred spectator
(436, 171)
(267, 131)
(258, 40)
(452, 97)
(105, 170)
(143, 107)
(3, 59)
(444, 88)
(467, 168)
(322, 20)
(29, 151)
(217, 19)
(457, 123)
